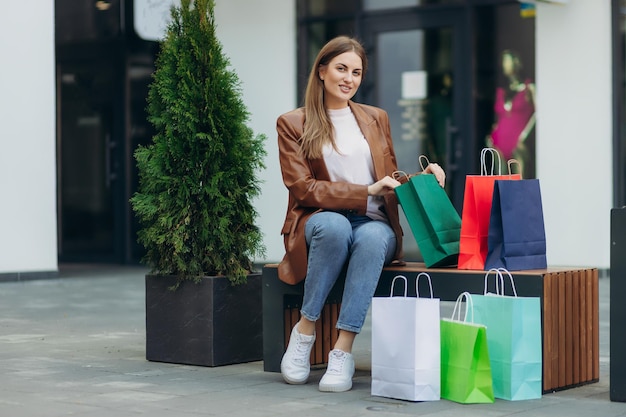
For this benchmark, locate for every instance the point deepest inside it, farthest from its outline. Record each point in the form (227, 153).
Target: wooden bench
(570, 315)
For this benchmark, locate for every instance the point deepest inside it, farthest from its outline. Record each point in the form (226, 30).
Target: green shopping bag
(465, 367)
(514, 339)
(435, 223)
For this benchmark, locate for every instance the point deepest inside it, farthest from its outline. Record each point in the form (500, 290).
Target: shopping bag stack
(514, 339)
(477, 202)
(435, 223)
(465, 367)
(516, 238)
(406, 345)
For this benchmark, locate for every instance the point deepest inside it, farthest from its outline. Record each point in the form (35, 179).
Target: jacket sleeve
(307, 180)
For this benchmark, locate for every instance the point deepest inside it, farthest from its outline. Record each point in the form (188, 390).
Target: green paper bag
(435, 223)
(465, 367)
(514, 339)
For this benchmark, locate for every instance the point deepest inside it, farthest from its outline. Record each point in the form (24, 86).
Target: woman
(336, 159)
(514, 109)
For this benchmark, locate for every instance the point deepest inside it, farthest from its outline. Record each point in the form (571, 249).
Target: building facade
(73, 109)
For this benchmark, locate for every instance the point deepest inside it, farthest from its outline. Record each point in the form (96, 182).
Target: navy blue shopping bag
(517, 237)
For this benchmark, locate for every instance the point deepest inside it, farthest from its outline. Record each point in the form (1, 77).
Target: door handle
(109, 146)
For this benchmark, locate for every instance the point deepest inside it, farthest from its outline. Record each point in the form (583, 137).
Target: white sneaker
(296, 363)
(338, 376)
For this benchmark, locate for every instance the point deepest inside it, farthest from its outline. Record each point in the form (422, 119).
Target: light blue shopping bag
(513, 337)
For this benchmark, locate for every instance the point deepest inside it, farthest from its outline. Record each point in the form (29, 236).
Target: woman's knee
(374, 236)
(328, 225)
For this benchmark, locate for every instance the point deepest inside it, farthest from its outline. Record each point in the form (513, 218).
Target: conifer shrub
(198, 176)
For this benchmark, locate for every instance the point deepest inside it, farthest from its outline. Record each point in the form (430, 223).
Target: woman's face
(508, 65)
(342, 78)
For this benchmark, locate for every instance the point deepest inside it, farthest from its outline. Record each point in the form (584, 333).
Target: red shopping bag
(477, 202)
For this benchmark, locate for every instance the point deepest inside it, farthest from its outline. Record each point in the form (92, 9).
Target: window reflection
(505, 89)
(514, 112)
(414, 85)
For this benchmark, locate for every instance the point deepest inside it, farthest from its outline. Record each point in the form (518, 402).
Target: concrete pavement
(75, 346)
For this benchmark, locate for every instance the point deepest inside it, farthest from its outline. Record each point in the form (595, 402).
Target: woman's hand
(381, 187)
(437, 171)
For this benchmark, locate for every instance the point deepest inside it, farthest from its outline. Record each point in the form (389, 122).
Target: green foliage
(198, 177)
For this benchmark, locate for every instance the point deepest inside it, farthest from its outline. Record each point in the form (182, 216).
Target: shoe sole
(295, 381)
(335, 388)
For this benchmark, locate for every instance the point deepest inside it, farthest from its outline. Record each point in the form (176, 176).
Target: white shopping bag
(406, 345)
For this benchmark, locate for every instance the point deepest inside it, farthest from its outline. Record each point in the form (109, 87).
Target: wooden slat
(569, 324)
(576, 317)
(596, 323)
(334, 334)
(590, 326)
(547, 332)
(328, 324)
(316, 352)
(562, 340)
(584, 351)
(554, 348)
(295, 317)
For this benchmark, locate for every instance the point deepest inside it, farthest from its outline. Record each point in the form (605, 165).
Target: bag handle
(400, 176)
(417, 281)
(469, 307)
(506, 271)
(393, 283)
(519, 166)
(483, 161)
(499, 281)
(420, 158)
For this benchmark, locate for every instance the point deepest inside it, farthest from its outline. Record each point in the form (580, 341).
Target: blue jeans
(335, 240)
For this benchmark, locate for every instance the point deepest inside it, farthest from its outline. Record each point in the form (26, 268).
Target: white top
(353, 163)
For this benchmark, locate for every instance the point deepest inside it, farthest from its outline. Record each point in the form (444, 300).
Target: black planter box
(210, 324)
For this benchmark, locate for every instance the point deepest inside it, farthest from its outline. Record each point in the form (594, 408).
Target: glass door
(90, 113)
(415, 75)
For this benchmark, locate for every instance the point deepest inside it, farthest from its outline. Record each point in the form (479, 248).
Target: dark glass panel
(80, 21)
(395, 4)
(316, 8)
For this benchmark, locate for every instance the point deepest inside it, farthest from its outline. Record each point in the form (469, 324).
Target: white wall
(28, 235)
(574, 118)
(261, 46)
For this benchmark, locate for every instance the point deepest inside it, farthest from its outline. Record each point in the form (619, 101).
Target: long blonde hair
(318, 129)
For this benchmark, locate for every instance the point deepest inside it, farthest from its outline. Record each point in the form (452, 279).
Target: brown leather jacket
(310, 188)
